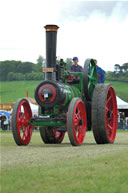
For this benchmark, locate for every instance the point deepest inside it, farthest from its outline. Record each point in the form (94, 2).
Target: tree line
(120, 73)
(18, 70)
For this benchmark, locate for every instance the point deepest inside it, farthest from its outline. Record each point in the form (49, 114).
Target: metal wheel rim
(24, 129)
(79, 113)
(111, 114)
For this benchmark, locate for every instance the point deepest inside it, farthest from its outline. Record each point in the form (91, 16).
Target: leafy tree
(41, 61)
(69, 62)
(34, 76)
(11, 76)
(6, 67)
(120, 73)
(109, 75)
(14, 66)
(125, 67)
(37, 68)
(40, 64)
(25, 67)
(116, 68)
(15, 76)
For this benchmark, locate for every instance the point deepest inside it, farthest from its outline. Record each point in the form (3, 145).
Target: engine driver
(76, 67)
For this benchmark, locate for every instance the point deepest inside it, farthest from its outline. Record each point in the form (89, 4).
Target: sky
(88, 29)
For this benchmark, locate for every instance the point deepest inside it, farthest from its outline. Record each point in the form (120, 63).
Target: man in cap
(76, 67)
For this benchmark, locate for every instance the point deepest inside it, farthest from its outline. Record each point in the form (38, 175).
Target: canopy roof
(121, 104)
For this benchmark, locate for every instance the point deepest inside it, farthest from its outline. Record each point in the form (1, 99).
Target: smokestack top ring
(51, 27)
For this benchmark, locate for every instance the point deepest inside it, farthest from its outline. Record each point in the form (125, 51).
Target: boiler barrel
(50, 93)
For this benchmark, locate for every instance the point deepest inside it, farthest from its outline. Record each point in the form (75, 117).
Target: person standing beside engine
(100, 74)
(76, 67)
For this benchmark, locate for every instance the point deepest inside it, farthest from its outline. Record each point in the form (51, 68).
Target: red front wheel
(76, 121)
(21, 129)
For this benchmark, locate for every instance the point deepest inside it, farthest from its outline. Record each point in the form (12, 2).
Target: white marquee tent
(121, 104)
(34, 108)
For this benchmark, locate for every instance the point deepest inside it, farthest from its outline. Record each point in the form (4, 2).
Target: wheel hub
(47, 94)
(81, 122)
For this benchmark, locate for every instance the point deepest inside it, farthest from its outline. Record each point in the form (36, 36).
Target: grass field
(40, 168)
(121, 89)
(11, 91)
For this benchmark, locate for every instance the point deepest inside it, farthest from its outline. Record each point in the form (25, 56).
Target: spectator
(3, 119)
(126, 124)
(100, 74)
(76, 67)
(122, 120)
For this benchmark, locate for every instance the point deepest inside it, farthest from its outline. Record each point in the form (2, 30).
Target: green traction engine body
(54, 98)
(68, 101)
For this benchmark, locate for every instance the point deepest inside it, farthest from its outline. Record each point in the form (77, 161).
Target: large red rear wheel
(21, 129)
(104, 114)
(76, 121)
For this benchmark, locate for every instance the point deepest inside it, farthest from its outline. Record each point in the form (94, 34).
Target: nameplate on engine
(48, 69)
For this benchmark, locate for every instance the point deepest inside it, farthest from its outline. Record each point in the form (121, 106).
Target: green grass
(121, 89)
(11, 91)
(40, 168)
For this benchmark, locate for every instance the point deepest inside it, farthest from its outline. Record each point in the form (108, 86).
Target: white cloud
(22, 36)
(105, 40)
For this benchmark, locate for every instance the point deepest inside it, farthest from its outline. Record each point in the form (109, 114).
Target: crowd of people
(122, 121)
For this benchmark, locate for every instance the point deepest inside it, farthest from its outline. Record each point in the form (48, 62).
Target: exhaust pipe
(51, 40)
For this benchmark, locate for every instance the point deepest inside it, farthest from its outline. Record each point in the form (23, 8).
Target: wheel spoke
(26, 132)
(110, 127)
(76, 122)
(77, 131)
(109, 130)
(78, 113)
(109, 99)
(106, 108)
(82, 131)
(22, 120)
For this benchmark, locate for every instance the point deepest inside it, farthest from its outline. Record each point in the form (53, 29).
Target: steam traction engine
(68, 101)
